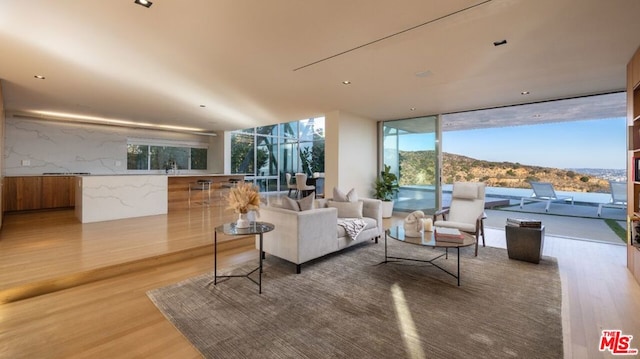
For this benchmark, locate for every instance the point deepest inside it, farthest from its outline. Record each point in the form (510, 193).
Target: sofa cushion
(303, 204)
(347, 209)
(307, 202)
(290, 204)
(370, 223)
(340, 196)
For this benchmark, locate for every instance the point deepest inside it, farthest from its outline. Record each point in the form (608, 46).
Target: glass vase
(242, 221)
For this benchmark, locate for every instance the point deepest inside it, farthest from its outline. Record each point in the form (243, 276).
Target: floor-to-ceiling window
(267, 153)
(410, 147)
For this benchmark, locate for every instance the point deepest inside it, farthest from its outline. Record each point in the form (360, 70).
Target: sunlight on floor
(406, 325)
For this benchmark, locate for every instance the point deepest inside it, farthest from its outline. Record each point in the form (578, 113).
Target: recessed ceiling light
(525, 92)
(500, 43)
(39, 77)
(412, 109)
(145, 3)
(346, 82)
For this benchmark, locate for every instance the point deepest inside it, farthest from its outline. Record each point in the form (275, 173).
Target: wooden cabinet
(178, 195)
(58, 192)
(633, 162)
(38, 192)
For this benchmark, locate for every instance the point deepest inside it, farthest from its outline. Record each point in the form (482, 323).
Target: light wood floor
(113, 318)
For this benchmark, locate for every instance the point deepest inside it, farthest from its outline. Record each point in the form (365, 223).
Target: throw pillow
(340, 196)
(307, 202)
(304, 204)
(347, 209)
(288, 203)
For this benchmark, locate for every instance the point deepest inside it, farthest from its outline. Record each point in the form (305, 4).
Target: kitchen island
(108, 197)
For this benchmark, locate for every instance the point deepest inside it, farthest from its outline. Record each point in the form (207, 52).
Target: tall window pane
(266, 156)
(271, 130)
(289, 129)
(288, 160)
(409, 147)
(242, 152)
(311, 157)
(311, 129)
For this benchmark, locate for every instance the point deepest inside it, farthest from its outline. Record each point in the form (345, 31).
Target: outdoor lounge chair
(618, 196)
(543, 191)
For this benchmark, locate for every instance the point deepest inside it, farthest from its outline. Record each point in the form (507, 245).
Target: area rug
(348, 305)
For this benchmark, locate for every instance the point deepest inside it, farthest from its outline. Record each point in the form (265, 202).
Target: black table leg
(385, 246)
(260, 272)
(458, 266)
(215, 258)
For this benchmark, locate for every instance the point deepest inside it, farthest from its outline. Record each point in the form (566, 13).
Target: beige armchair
(466, 212)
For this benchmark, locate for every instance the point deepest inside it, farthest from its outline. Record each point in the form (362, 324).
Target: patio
(578, 221)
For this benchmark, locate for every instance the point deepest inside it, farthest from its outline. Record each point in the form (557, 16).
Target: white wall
(215, 156)
(1, 152)
(33, 147)
(350, 153)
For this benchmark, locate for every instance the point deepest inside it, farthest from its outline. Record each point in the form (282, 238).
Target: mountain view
(418, 168)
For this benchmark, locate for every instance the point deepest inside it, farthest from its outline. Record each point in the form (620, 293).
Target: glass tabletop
(428, 239)
(254, 228)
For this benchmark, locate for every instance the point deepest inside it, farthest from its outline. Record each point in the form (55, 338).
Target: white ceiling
(253, 62)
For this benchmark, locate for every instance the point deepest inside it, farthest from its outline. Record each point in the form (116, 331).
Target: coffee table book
(448, 235)
(524, 222)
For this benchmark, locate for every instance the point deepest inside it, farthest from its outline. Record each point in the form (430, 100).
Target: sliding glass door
(411, 148)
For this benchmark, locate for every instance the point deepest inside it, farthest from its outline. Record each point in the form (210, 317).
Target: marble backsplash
(34, 147)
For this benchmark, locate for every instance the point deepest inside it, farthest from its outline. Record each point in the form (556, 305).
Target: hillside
(418, 168)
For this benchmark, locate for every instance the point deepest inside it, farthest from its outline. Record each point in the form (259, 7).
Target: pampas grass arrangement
(244, 197)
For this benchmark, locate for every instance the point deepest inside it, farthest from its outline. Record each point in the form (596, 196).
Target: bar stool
(224, 189)
(204, 187)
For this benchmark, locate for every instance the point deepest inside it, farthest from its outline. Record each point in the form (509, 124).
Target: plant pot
(387, 209)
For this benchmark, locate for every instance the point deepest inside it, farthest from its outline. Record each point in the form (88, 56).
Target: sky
(576, 144)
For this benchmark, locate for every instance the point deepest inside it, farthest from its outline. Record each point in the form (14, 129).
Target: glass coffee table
(255, 228)
(427, 239)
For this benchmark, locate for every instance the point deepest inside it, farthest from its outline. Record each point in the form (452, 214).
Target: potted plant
(386, 187)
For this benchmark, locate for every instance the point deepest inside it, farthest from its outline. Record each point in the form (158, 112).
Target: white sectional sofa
(300, 236)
